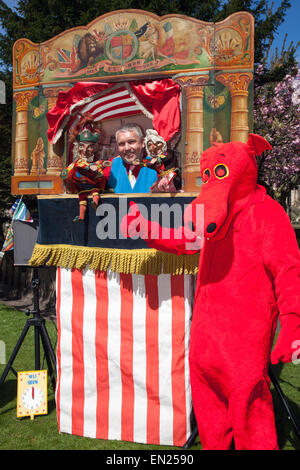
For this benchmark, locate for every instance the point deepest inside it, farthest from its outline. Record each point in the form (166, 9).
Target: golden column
(193, 86)
(238, 83)
(54, 162)
(21, 161)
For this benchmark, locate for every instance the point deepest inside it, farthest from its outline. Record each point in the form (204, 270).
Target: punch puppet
(160, 158)
(248, 277)
(84, 176)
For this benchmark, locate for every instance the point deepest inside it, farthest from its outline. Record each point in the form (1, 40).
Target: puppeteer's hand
(169, 240)
(134, 225)
(287, 347)
(164, 185)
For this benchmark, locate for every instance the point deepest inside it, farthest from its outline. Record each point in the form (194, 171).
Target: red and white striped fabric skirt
(122, 356)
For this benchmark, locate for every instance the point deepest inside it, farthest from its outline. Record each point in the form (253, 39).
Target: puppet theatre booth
(124, 310)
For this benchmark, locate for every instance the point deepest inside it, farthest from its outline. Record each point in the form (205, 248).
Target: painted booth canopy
(211, 62)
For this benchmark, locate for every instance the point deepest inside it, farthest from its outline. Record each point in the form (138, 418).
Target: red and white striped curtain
(158, 99)
(122, 356)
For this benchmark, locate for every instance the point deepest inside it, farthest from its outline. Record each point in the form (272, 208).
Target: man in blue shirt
(126, 173)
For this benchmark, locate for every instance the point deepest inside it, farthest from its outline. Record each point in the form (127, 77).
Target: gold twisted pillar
(193, 86)
(21, 160)
(238, 83)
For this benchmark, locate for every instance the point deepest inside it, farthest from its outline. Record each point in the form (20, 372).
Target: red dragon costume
(249, 273)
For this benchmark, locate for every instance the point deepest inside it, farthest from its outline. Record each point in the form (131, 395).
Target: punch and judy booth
(123, 310)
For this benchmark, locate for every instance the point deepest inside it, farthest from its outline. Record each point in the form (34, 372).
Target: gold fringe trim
(145, 261)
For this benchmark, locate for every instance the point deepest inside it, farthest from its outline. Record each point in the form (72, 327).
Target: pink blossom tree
(276, 118)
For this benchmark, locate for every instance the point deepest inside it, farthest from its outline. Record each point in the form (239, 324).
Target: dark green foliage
(6, 200)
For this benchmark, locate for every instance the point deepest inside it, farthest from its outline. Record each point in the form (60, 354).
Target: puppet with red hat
(84, 176)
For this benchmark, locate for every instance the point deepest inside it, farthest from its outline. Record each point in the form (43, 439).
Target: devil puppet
(249, 273)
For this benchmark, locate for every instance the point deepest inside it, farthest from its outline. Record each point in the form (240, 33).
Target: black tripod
(40, 332)
(284, 401)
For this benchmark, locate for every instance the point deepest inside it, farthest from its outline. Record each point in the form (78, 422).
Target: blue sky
(290, 25)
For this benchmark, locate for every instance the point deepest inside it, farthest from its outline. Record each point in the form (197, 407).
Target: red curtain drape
(162, 99)
(66, 99)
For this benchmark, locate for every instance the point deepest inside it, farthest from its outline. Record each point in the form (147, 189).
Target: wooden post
(21, 163)
(238, 83)
(193, 86)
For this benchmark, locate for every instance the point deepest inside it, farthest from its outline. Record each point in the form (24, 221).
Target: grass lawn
(42, 433)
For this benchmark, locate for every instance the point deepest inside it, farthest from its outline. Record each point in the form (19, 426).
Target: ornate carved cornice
(236, 82)
(23, 99)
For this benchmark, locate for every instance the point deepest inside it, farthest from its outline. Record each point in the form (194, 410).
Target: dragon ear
(258, 144)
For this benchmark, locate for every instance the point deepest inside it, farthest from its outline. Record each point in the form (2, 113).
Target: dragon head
(229, 176)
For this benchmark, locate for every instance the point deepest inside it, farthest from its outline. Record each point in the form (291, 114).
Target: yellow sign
(32, 393)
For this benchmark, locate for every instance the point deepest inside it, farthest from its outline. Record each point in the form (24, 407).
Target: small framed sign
(32, 393)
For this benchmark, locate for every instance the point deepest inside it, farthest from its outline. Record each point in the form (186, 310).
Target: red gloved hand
(170, 240)
(287, 347)
(134, 225)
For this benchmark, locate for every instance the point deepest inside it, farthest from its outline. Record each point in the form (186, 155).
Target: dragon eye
(206, 175)
(221, 171)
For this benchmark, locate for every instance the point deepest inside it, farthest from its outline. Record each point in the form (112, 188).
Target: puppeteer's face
(87, 150)
(130, 146)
